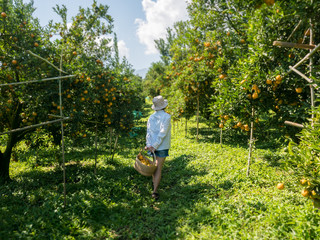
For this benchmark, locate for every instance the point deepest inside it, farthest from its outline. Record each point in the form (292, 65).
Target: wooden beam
(293, 45)
(304, 59)
(305, 77)
(295, 29)
(293, 124)
(34, 126)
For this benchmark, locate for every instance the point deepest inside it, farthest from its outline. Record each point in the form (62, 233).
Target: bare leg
(157, 174)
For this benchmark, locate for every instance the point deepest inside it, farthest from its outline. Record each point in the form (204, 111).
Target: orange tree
(106, 90)
(304, 159)
(188, 77)
(20, 31)
(28, 52)
(155, 79)
(246, 72)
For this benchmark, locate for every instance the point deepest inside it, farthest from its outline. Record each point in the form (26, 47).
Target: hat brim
(164, 105)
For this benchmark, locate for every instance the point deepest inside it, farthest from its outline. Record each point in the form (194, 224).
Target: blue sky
(136, 22)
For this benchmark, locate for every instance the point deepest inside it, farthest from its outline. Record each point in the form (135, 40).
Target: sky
(137, 23)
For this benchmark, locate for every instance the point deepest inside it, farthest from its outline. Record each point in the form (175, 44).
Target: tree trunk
(4, 167)
(5, 159)
(13, 139)
(197, 117)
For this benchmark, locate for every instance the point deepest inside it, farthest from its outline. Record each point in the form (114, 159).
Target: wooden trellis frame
(312, 50)
(61, 120)
(61, 117)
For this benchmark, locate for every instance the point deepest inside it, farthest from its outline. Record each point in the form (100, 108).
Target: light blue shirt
(159, 130)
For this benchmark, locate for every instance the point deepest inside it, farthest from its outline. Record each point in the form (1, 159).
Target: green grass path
(204, 194)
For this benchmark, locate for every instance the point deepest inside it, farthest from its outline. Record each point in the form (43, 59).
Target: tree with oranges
(229, 45)
(94, 89)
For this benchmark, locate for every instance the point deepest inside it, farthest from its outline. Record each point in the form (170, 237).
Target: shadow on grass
(116, 203)
(272, 140)
(273, 159)
(208, 135)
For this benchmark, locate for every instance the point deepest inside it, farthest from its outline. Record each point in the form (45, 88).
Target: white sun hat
(159, 103)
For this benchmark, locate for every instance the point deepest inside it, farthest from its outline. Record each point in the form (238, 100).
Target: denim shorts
(160, 153)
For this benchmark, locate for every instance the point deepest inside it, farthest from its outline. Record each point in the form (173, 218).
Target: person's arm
(164, 128)
(148, 136)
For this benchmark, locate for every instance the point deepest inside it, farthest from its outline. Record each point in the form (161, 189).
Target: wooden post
(96, 149)
(250, 143)
(310, 67)
(110, 139)
(308, 56)
(186, 128)
(62, 136)
(115, 146)
(315, 86)
(295, 29)
(198, 117)
(220, 137)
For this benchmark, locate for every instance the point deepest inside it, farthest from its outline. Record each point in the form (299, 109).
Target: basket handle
(154, 157)
(153, 154)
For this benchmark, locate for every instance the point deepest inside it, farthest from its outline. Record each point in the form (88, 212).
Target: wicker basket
(144, 169)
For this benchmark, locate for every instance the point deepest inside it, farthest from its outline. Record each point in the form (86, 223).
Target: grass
(204, 194)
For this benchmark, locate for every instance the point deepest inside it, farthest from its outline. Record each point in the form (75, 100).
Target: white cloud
(123, 49)
(160, 15)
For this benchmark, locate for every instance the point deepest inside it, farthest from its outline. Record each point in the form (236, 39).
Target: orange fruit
(222, 76)
(269, 2)
(14, 62)
(305, 193)
(280, 186)
(269, 82)
(303, 181)
(255, 95)
(207, 44)
(221, 125)
(36, 44)
(299, 90)
(3, 14)
(278, 78)
(255, 87)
